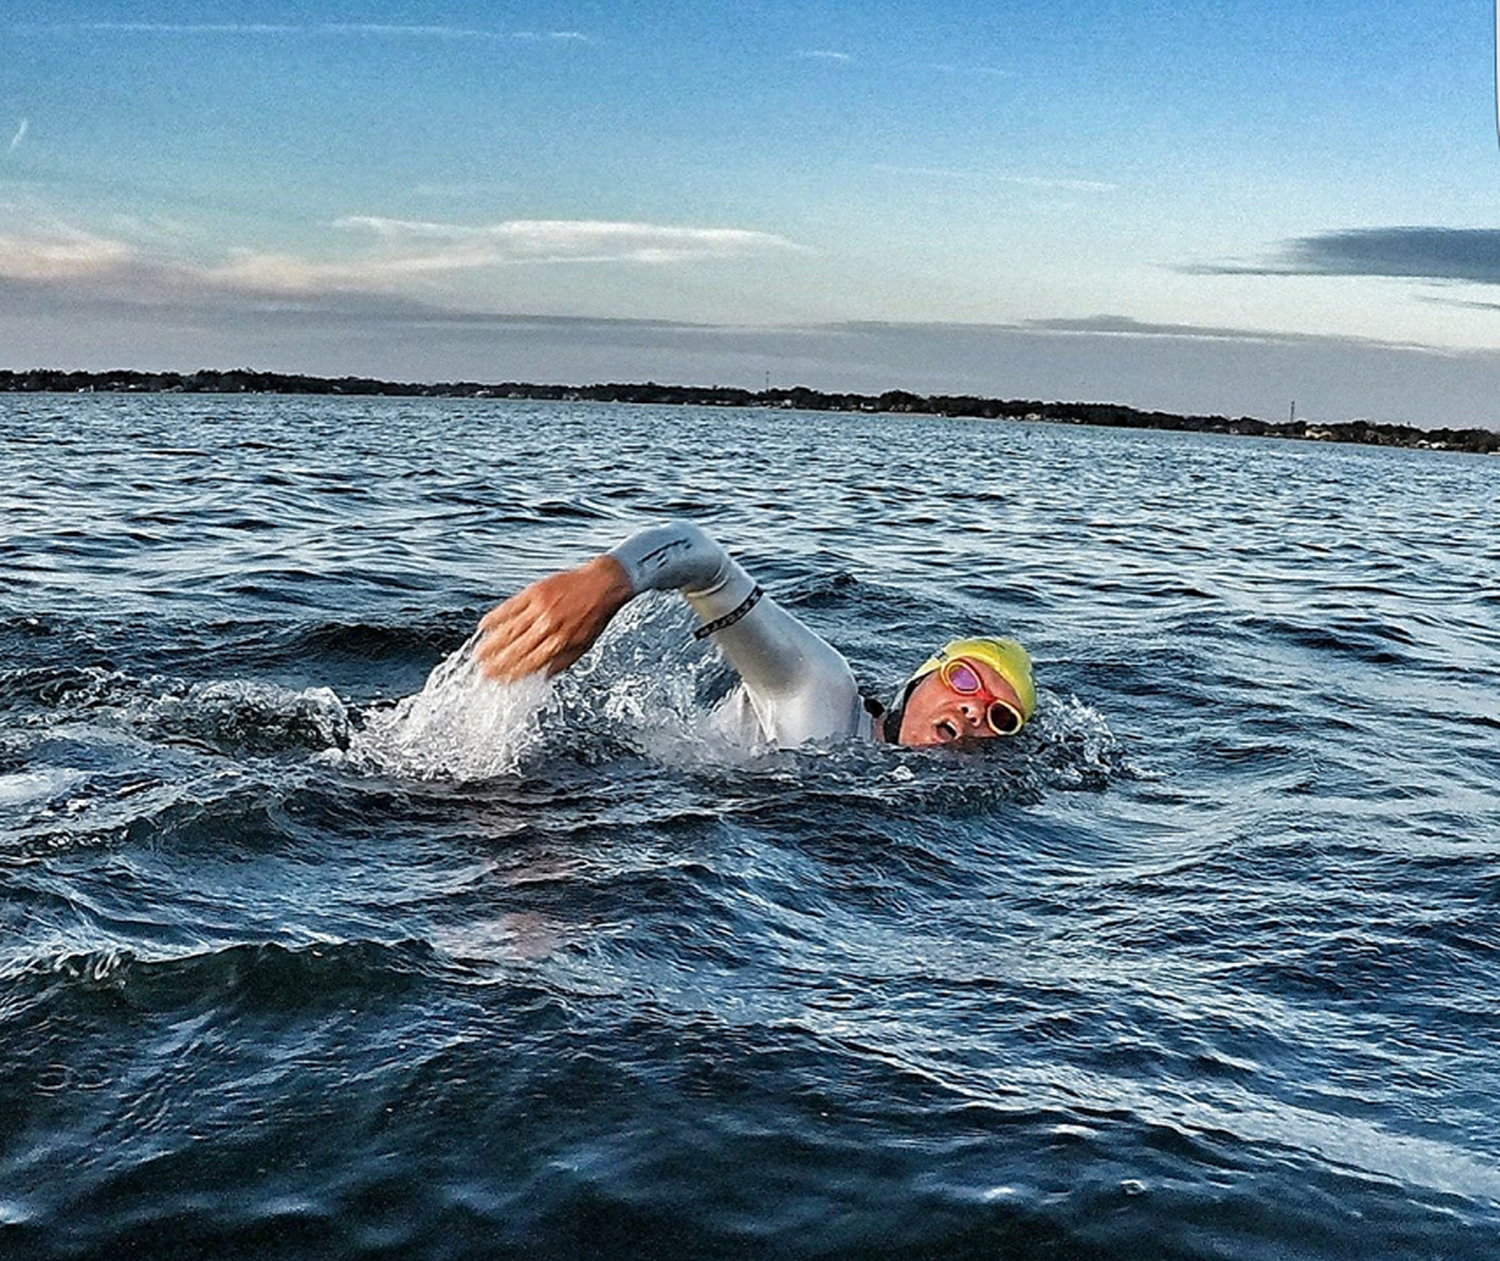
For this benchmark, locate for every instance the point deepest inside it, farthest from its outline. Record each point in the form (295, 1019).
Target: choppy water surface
(299, 959)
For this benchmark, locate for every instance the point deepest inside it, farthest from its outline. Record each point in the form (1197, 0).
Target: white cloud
(81, 265)
(15, 141)
(821, 54)
(60, 256)
(152, 231)
(253, 271)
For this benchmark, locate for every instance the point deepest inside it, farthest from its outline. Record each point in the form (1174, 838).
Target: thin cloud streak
(446, 32)
(821, 54)
(15, 141)
(1127, 326)
(990, 72)
(374, 29)
(556, 241)
(1467, 304)
(1067, 185)
(934, 172)
(1021, 181)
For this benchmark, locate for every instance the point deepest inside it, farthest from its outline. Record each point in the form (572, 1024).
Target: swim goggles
(960, 676)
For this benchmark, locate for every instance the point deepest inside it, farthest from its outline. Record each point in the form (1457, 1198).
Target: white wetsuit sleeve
(800, 686)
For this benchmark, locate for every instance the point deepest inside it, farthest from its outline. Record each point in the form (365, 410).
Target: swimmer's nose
(973, 712)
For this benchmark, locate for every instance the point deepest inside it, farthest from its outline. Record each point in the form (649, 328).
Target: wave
(231, 716)
(265, 976)
(48, 653)
(1365, 640)
(241, 716)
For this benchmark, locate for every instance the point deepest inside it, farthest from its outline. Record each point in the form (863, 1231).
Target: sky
(1218, 207)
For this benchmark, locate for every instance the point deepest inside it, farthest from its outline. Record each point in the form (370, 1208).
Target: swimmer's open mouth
(946, 730)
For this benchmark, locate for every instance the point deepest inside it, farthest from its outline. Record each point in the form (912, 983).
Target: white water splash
(653, 689)
(1075, 747)
(27, 787)
(460, 726)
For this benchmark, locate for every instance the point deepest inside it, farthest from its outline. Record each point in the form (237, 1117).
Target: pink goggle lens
(962, 677)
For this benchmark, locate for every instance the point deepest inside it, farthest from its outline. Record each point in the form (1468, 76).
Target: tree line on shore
(244, 381)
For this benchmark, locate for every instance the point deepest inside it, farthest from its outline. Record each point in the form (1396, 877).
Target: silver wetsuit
(796, 687)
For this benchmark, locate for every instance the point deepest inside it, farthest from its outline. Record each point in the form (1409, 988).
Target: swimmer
(795, 687)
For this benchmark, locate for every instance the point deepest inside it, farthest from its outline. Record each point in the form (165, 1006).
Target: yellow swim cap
(1004, 656)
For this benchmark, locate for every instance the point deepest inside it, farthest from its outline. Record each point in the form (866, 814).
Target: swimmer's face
(936, 714)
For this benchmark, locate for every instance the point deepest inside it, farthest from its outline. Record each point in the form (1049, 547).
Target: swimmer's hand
(550, 624)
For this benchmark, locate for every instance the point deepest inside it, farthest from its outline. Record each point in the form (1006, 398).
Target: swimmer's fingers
(505, 610)
(534, 641)
(553, 622)
(513, 648)
(504, 627)
(530, 645)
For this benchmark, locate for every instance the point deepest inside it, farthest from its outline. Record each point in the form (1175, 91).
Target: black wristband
(730, 618)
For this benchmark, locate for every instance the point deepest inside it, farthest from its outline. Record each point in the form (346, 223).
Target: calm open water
(1205, 964)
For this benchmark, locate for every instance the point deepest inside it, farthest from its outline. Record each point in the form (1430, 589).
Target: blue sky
(1211, 207)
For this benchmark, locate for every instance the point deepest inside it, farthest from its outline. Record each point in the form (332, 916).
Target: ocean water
(313, 945)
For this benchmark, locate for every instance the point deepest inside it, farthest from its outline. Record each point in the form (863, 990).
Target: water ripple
(314, 944)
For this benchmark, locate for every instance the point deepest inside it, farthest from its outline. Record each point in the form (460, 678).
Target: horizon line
(1326, 430)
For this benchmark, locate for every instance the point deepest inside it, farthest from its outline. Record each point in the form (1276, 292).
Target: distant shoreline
(243, 381)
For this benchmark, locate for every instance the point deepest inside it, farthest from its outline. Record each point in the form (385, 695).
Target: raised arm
(550, 624)
(801, 687)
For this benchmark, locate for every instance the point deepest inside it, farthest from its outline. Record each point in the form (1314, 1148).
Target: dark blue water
(1205, 964)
